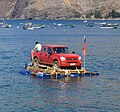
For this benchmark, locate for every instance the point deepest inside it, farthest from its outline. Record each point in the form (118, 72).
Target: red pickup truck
(58, 56)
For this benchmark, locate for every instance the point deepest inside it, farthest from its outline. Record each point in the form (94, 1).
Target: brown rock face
(55, 9)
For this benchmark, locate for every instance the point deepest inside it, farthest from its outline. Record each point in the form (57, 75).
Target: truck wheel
(79, 67)
(56, 65)
(35, 60)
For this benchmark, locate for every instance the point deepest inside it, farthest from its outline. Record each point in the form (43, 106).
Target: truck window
(64, 50)
(49, 50)
(44, 49)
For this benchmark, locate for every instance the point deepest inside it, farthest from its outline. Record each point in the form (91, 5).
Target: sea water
(23, 93)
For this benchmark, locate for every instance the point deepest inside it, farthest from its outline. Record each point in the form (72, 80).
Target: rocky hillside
(57, 9)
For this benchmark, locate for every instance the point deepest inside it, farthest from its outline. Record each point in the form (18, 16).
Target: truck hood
(68, 55)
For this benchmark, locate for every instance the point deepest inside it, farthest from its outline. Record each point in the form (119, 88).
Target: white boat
(59, 24)
(4, 25)
(115, 24)
(70, 25)
(85, 21)
(1, 23)
(28, 26)
(108, 26)
(37, 26)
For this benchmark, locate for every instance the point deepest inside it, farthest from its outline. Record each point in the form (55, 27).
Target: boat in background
(59, 24)
(109, 26)
(115, 24)
(4, 25)
(90, 24)
(27, 27)
(36, 26)
(1, 23)
(70, 25)
(85, 21)
(30, 26)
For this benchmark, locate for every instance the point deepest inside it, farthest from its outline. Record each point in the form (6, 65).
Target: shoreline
(59, 19)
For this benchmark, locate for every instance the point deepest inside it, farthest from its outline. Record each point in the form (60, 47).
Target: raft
(46, 72)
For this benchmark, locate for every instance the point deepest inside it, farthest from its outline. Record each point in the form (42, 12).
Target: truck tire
(56, 65)
(35, 60)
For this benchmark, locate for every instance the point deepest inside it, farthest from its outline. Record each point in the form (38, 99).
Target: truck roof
(54, 45)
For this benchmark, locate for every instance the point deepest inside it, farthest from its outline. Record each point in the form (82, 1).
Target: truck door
(43, 54)
(48, 56)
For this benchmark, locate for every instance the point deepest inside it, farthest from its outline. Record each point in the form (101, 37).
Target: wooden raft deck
(56, 71)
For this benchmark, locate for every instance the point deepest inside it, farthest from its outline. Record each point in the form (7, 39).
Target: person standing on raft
(37, 48)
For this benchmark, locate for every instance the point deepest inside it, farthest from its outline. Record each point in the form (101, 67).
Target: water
(20, 93)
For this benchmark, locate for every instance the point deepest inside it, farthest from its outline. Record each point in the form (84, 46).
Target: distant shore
(62, 19)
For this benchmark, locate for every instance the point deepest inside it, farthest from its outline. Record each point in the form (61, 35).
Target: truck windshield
(64, 50)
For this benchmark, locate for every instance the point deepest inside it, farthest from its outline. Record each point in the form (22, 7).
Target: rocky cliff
(56, 9)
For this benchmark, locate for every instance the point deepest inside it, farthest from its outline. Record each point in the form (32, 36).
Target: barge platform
(44, 71)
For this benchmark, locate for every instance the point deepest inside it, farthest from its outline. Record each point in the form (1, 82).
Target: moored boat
(70, 25)
(108, 26)
(36, 26)
(1, 23)
(6, 26)
(90, 24)
(115, 24)
(59, 24)
(30, 26)
(26, 27)
(85, 21)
